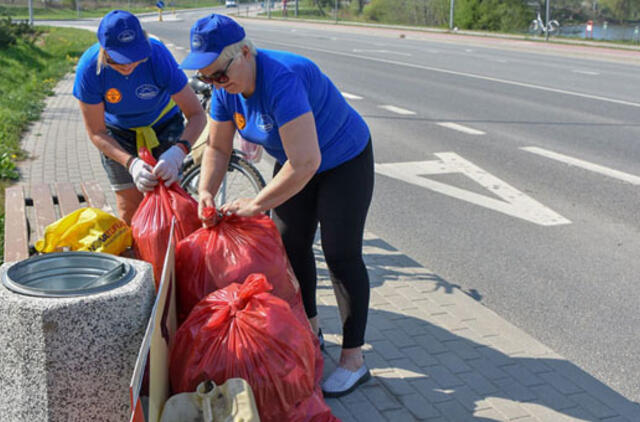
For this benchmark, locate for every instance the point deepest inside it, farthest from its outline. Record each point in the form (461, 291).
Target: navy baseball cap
(209, 36)
(121, 35)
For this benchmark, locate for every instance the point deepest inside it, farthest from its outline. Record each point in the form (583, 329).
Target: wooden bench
(27, 217)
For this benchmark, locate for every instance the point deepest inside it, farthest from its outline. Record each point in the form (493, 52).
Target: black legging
(339, 200)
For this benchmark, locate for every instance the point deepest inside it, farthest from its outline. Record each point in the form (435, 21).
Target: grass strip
(29, 70)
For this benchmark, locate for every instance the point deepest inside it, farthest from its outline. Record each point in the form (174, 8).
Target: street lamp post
(546, 32)
(31, 12)
(451, 15)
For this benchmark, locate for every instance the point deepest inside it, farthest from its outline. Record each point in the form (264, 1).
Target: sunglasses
(219, 77)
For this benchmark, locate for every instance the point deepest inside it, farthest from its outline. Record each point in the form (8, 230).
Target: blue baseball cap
(121, 35)
(209, 36)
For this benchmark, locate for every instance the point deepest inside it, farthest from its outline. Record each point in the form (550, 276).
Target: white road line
(585, 72)
(397, 110)
(460, 128)
(169, 44)
(351, 96)
(467, 75)
(626, 177)
(179, 47)
(359, 50)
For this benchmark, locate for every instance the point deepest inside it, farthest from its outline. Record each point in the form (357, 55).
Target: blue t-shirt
(134, 100)
(288, 86)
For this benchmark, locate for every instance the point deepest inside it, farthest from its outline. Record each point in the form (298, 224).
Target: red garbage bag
(245, 331)
(151, 223)
(214, 257)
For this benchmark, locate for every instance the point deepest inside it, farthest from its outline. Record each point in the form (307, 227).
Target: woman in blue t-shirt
(131, 93)
(323, 174)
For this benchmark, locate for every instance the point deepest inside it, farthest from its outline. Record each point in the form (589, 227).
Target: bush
(11, 31)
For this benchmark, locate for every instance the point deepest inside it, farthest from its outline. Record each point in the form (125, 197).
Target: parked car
(230, 3)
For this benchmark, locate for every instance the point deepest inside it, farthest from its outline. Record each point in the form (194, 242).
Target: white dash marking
(596, 168)
(179, 47)
(351, 96)
(586, 72)
(460, 128)
(397, 110)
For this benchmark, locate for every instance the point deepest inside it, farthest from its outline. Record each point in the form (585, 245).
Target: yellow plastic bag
(86, 229)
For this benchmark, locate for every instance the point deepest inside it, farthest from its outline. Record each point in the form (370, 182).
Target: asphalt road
(546, 236)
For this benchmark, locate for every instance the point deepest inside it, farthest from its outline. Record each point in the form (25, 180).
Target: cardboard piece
(156, 344)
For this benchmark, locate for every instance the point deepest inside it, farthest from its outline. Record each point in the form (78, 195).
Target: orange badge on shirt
(113, 96)
(240, 121)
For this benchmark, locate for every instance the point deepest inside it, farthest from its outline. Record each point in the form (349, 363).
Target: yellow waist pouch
(86, 229)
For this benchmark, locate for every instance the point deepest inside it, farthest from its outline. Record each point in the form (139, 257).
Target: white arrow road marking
(626, 177)
(514, 202)
(351, 96)
(586, 72)
(460, 128)
(397, 110)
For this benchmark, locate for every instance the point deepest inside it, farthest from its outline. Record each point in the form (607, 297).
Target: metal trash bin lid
(68, 274)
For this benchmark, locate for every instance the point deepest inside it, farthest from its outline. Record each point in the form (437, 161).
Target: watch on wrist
(186, 144)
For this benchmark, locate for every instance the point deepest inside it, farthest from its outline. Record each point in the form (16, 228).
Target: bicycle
(539, 28)
(243, 180)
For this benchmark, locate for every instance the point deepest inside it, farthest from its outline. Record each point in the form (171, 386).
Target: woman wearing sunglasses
(132, 93)
(323, 172)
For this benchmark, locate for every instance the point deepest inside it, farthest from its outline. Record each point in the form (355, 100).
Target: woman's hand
(244, 207)
(206, 200)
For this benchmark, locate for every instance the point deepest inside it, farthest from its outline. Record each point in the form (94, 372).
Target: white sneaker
(342, 381)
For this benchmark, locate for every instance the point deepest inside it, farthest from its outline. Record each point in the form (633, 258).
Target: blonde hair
(232, 50)
(102, 56)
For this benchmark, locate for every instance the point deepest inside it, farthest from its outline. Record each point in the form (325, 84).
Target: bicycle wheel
(242, 180)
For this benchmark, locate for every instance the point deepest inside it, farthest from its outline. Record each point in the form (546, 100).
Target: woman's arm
(300, 142)
(93, 115)
(215, 161)
(196, 118)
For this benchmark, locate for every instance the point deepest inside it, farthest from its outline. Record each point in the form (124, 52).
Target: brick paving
(436, 354)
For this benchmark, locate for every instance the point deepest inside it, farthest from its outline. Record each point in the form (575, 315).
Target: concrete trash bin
(71, 325)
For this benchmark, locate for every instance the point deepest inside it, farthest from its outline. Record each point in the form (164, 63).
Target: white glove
(169, 165)
(142, 175)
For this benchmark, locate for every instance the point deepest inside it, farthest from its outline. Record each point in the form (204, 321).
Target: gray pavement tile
(395, 384)
(398, 415)
(522, 374)
(444, 377)
(420, 356)
(593, 405)
(463, 348)
(399, 338)
(453, 362)
(430, 343)
(429, 389)
(560, 383)
(478, 383)
(454, 411)
(487, 368)
(510, 409)
(552, 398)
(386, 349)
(381, 398)
(514, 390)
(418, 407)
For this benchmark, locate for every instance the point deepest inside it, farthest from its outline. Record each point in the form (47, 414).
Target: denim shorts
(168, 133)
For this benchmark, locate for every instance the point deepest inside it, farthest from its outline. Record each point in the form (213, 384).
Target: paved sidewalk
(436, 354)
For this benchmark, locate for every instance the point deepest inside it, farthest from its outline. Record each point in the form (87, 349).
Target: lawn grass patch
(29, 70)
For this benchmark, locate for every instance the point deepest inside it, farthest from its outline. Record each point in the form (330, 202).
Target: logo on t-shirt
(147, 91)
(113, 96)
(240, 121)
(127, 35)
(265, 123)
